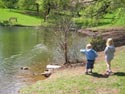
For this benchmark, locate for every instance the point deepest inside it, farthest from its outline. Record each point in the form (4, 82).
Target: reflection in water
(24, 46)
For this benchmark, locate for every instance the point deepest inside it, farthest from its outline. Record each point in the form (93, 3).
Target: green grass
(22, 19)
(109, 20)
(85, 84)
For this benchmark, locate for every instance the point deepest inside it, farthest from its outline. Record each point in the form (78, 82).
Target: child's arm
(96, 55)
(114, 49)
(106, 50)
(82, 50)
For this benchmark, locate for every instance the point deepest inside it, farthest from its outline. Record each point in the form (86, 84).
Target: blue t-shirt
(90, 53)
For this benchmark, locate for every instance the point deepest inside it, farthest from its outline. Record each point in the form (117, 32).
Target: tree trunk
(37, 8)
(66, 48)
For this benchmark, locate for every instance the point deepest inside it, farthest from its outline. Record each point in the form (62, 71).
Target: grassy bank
(26, 19)
(74, 81)
(22, 19)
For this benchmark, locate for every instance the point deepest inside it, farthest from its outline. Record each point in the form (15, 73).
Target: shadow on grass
(119, 73)
(106, 75)
(95, 74)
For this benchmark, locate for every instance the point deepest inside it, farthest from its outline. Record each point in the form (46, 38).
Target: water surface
(33, 48)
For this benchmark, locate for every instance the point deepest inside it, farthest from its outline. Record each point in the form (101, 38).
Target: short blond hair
(88, 46)
(109, 42)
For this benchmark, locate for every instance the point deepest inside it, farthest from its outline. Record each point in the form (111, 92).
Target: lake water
(33, 48)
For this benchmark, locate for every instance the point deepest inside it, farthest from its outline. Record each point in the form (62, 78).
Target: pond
(33, 48)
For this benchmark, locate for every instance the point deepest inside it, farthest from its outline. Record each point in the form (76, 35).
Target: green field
(22, 19)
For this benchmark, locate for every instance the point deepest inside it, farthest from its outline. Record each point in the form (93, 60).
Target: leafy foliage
(10, 3)
(97, 42)
(26, 4)
(2, 5)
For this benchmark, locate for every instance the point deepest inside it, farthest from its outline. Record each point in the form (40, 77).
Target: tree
(52, 6)
(59, 9)
(29, 4)
(97, 9)
(2, 4)
(10, 3)
(63, 29)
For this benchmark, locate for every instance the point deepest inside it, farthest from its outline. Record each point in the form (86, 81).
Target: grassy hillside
(109, 20)
(22, 19)
(28, 20)
(74, 81)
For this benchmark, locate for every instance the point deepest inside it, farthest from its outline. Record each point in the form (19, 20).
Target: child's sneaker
(107, 72)
(110, 71)
(86, 73)
(90, 72)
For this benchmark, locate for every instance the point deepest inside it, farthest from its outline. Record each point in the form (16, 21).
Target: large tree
(26, 4)
(53, 7)
(10, 3)
(2, 5)
(93, 11)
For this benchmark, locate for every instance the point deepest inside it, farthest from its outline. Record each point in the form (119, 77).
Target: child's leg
(86, 71)
(91, 65)
(90, 71)
(87, 68)
(108, 63)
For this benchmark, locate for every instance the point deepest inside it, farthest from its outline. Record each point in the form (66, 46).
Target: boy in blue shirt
(91, 55)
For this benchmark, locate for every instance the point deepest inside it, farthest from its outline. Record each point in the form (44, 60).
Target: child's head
(109, 42)
(88, 46)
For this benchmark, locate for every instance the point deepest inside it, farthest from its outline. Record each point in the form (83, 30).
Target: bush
(98, 42)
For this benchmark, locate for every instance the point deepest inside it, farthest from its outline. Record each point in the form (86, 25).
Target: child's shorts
(108, 59)
(90, 64)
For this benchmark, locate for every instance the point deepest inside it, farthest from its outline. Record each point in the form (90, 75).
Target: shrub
(98, 42)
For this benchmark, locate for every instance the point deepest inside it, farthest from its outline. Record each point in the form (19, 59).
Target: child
(109, 53)
(90, 56)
